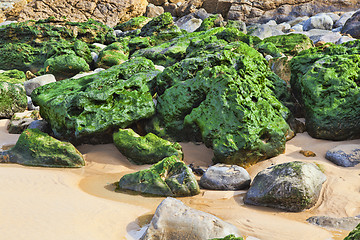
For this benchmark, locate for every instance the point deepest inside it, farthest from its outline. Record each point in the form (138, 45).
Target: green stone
(133, 24)
(114, 54)
(35, 148)
(145, 150)
(354, 234)
(13, 76)
(89, 108)
(229, 237)
(12, 99)
(169, 177)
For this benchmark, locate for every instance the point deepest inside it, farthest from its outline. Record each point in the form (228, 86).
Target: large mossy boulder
(169, 177)
(12, 99)
(219, 95)
(148, 149)
(291, 186)
(12, 76)
(290, 44)
(90, 108)
(35, 148)
(326, 81)
(354, 234)
(133, 24)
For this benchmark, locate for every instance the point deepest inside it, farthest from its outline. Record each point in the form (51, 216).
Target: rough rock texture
(12, 99)
(113, 54)
(20, 121)
(292, 186)
(225, 177)
(175, 220)
(280, 10)
(228, 78)
(329, 94)
(352, 26)
(346, 223)
(133, 24)
(110, 12)
(148, 149)
(346, 155)
(318, 22)
(35, 148)
(89, 108)
(354, 234)
(169, 177)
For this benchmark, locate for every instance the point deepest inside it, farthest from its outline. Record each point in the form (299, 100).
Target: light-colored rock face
(292, 186)
(319, 22)
(253, 11)
(225, 177)
(31, 84)
(175, 220)
(345, 223)
(110, 12)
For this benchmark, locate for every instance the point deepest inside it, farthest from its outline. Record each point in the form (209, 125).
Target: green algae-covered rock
(222, 98)
(268, 48)
(44, 30)
(229, 237)
(211, 22)
(65, 66)
(114, 54)
(133, 24)
(326, 82)
(292, 186)
(35, 148)
(354, 234)
(290, 44)
(169, 177)
(12, 99)
(89, 108)
(145, 150)
(13, 76)
(82, 50)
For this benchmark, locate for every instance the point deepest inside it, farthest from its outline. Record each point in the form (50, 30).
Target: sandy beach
(45, 203)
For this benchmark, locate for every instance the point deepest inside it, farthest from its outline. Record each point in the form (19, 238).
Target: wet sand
(45, 203)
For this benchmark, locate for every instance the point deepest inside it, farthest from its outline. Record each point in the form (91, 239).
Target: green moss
(211, 22)
(145, 150)
(12, 99)
(354, 234)
(35, 148)
(65, 66)
(290, 44)
(13, 76)
(268, 48)
(169, 177)
(328, 93)
(158, 24)
(89, 108)
(134, 23)
(114, 54)
(82, 50)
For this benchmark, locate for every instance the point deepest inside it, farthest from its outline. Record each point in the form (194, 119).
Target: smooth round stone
(346, 155)
(225, 177)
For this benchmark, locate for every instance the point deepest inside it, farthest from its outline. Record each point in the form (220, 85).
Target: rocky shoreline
(147, 83)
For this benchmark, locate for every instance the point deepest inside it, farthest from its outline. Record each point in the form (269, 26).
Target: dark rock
(225, 177)
(145, 150)
(169, 177)
(197, 169)
(346, 223)
(42, 125)
(89, 108)
(175, 220)
(352, 26)
(292, 186)
(328, 93)
(346, 155)
(35, 148)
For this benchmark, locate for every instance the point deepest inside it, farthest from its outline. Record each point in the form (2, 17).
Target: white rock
(94, 56)
(298, 28)
(191, 25)
(158, 67)
(80, 75)
(318, 22)
(175, 220)
(344, 39)
(298, 20)
(33, 83)
(102, 46)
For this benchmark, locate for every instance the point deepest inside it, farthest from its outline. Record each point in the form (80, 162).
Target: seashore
(40, 203)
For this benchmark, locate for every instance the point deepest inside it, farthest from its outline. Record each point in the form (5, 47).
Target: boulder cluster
(146, 83)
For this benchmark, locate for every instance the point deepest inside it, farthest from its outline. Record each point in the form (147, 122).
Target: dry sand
(67, 204)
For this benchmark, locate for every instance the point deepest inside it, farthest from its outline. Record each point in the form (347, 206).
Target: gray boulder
(153, 11)
(265, 31)
(346, 155)
(343, 18)
(225, 177)
(20, 121)
(331, 37)
(318, 22)
(189, 23)
(345, 223)
(31, 84)
(42, 125)
(352, 26)
(292, 186)
(344, 39)
(175, 220)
